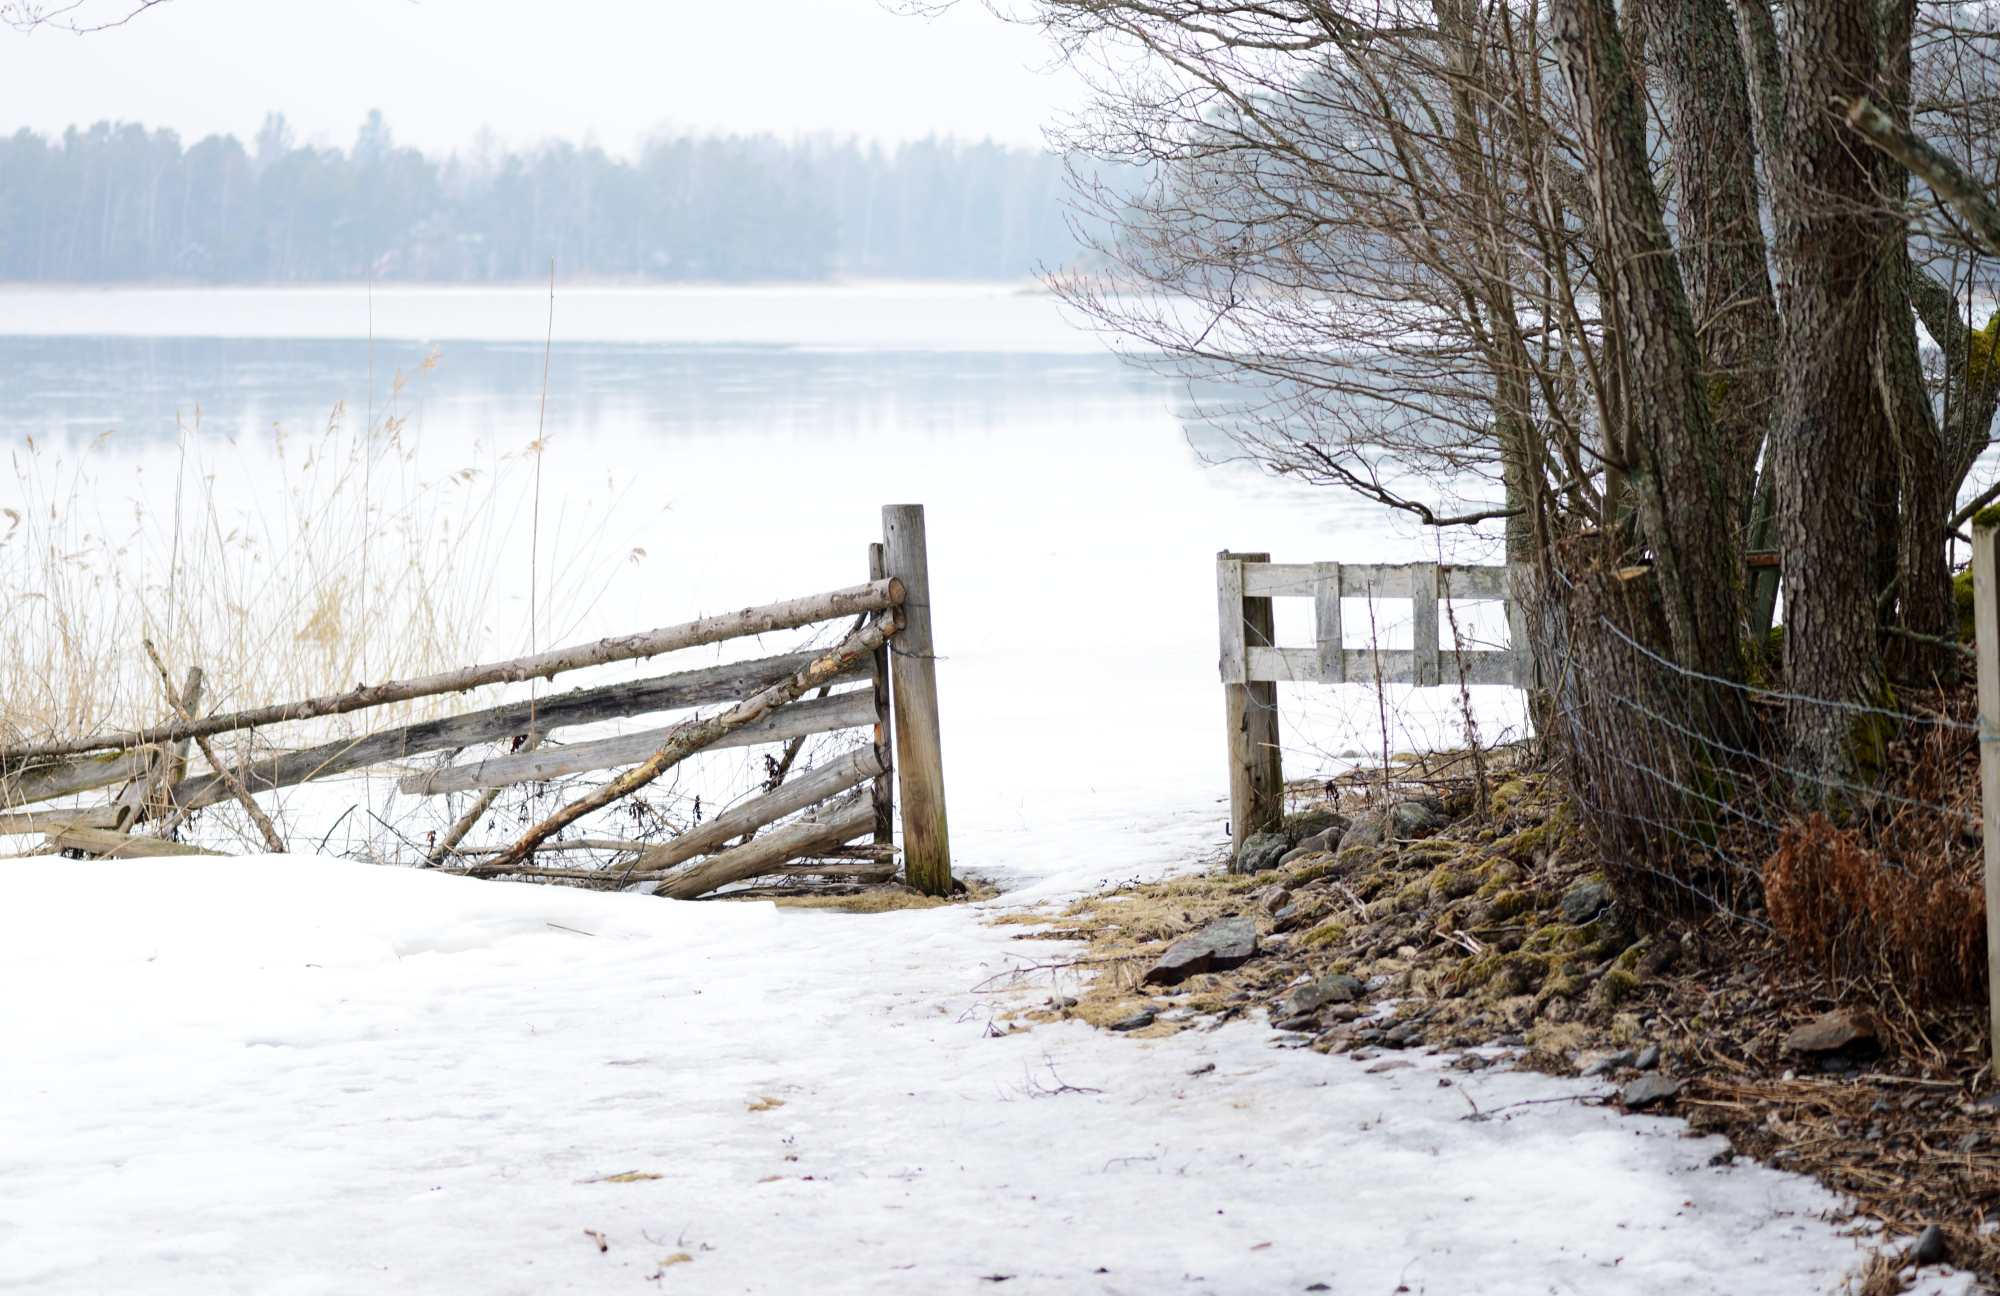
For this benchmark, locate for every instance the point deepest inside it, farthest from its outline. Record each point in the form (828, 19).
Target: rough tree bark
(1692, 45)
(1678, 470)
(1828, 239)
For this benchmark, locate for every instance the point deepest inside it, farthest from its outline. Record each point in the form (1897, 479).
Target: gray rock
(1843, 1028)
(1271, 899)
(1218, 947)
(1585, 902)
(1259, 852)
(1930, 1248)
(1611, 1062)
(1648, 1058)
(1137, 1021)
(1318, 994)
(1649, 1089)
(1302, 1022)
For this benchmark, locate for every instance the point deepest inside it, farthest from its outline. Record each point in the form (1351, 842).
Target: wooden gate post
(913, 688)
(1986, 637)
(1250, 708)
(884, 788)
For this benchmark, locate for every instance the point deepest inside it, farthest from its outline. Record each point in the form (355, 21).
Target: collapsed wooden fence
(1253, 664)
(880, 677)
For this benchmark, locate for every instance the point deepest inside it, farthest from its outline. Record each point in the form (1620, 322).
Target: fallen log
(787, 798)
(117, 845)
(496, 724)
(841, 822)
(875, 596)
(818, 715)
(697, 734)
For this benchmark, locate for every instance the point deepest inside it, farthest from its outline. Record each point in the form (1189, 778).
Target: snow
(306, 1075)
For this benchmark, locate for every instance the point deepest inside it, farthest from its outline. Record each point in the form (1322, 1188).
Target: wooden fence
(1253, 664)
(881, 677)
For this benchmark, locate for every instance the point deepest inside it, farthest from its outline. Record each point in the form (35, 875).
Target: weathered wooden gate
(1253, 664)
(889, 650)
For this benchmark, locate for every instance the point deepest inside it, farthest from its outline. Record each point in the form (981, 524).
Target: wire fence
(1700, 798)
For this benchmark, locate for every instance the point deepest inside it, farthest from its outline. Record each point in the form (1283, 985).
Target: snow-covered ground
(288, 1075)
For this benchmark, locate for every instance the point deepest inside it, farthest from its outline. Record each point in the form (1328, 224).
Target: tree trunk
(1693, 45)
(1677, 464)
(1829, 234)
(1925, 485)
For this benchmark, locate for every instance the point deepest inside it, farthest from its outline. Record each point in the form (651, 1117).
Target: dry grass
(294, 565)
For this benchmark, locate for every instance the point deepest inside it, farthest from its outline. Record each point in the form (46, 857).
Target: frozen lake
(745, 439)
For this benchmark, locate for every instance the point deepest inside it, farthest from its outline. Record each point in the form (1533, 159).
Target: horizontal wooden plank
(1277, 580)
(1301, 666)
(46, 821)
(117, 845)
(818, 715)
(1379, 580)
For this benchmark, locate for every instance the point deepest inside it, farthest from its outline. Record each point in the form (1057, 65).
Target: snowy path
(303, 1076)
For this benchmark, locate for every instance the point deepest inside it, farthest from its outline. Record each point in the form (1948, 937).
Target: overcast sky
(528, 69)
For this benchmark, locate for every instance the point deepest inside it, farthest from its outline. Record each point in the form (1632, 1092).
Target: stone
(1063, 1001)
(1843, 1028)
(1930, 1248)
(1272, 899)
(1302, 1022)
(1585, 902)
(1316, 995)
(1394, 1064)
(1649, 1057)
(1297, 914)
(1203, 1069)
(1610, 1062)
(1259, 852)
(1222, 945)
(1137, 1021)
(1649, 1089)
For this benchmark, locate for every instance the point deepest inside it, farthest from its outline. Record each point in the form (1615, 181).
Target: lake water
(745, 440)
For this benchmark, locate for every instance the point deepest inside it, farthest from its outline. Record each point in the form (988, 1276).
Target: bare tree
(1477, 260)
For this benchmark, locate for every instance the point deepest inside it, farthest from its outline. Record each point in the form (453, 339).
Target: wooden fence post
(1250, 707)
(913, 687)
(1326, 623)
(884, 793)
(1424, 624)
(1986, 637)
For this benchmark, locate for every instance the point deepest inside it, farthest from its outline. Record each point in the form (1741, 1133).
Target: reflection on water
(81, 386)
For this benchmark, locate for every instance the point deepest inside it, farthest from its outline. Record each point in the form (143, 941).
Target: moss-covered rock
(1616, 984)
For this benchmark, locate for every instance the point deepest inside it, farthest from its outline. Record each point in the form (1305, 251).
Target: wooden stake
(1250, 707)
(1986, 638)
(243, 797)
(913, 689)
(884, 791)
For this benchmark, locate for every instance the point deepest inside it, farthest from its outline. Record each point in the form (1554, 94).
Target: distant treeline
(122, 203)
